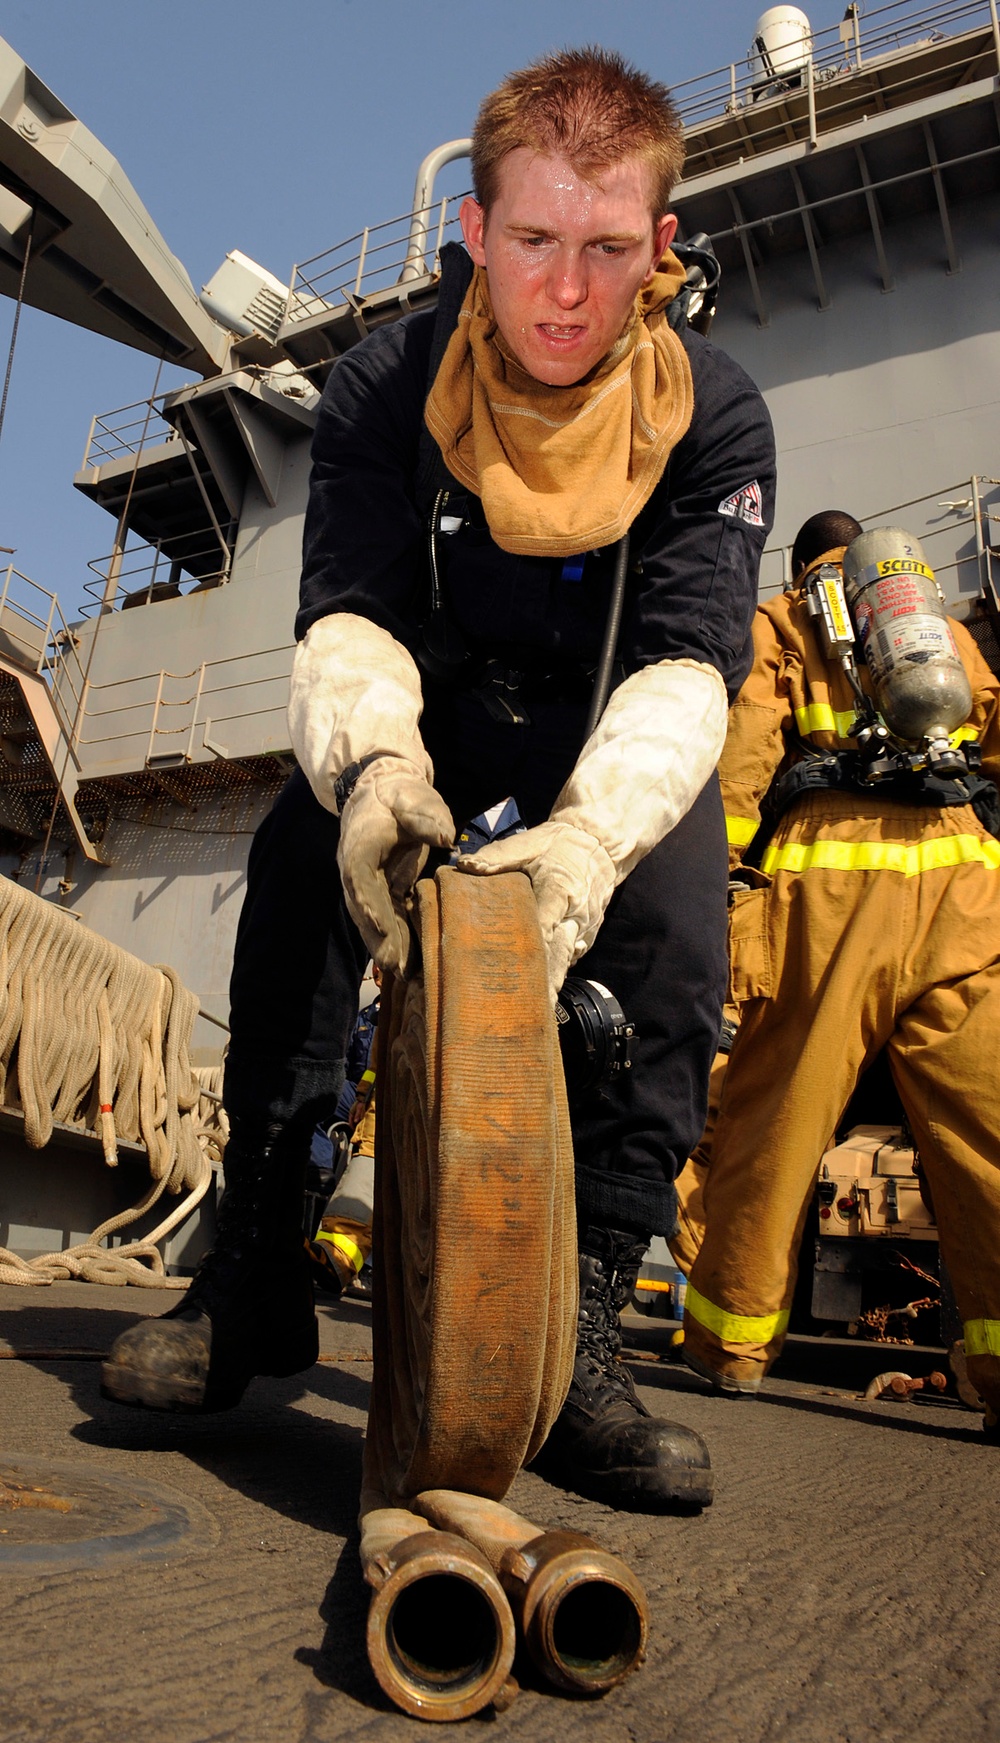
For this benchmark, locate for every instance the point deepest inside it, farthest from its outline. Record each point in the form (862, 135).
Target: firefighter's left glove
(572, 877)
(387, 826)
(354, 713)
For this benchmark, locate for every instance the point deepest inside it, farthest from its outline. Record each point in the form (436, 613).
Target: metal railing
(35, 636)
(154, 718)
(127, 430)
(146, 574)
(175, 718)
(160, 719)
(373, 259)
(957, 524)
(862, 39)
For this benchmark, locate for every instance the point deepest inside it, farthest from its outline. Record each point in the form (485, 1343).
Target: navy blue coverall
(695, 552)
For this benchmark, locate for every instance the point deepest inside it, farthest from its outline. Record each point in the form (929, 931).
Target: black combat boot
(604, 1443)
(249, 1309)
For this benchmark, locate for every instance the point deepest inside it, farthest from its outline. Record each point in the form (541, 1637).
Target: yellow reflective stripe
(982, 1337)
(350, 1249)
(735, 1328)
(907, 857)
(820, 717)
(740, 831)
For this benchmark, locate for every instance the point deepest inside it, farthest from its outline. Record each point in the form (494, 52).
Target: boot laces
(251, 1224)
(605, 1287)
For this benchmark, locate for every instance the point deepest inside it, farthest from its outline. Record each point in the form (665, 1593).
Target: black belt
(508, 690)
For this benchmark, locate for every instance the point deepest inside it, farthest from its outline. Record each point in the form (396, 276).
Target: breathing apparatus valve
(945, 760)
(595, 1037)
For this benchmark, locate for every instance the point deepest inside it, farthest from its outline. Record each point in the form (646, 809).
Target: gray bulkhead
(882, 399)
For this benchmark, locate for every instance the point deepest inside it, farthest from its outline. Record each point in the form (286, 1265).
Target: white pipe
(416, 246)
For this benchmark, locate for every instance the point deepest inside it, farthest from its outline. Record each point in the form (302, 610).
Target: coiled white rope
(93, 1038)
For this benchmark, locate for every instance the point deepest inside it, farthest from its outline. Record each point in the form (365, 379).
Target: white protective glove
(356, 697)
(639, 772)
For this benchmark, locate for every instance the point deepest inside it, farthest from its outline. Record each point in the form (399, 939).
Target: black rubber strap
(345, 784)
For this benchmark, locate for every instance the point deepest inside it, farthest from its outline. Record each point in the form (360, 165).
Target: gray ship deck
(843, 1588)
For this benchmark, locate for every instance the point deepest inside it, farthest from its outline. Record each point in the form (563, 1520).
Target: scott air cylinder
(921, 689)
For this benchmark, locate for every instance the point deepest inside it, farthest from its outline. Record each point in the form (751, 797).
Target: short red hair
(587, 104)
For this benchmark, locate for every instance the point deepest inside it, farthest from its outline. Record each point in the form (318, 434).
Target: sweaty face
(565, 258)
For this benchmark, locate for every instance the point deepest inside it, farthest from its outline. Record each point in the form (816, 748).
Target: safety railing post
(113, 575)
(361, 261)
(90, 438)
(43, 658)
(440, 234)
(156, 715)
(853, 16)
(197, 706)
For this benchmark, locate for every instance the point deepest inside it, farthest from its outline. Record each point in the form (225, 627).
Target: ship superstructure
(849, 187)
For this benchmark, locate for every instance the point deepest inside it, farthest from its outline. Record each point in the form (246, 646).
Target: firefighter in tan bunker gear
(879, 928)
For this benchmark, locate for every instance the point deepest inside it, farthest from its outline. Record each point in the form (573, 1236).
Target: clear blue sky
(279, 130)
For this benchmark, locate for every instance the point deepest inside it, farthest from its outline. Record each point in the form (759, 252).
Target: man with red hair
(523, 436)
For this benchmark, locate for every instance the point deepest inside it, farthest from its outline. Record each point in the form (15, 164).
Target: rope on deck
(94, 1038)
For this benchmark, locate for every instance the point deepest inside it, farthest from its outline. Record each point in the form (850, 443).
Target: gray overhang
(96, 257)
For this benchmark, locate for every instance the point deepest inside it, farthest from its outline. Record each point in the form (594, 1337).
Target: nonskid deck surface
(844, 1585)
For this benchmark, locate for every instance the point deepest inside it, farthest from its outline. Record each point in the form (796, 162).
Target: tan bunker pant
(881, 929)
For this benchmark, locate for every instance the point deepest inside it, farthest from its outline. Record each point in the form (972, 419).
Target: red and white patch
(745, 505)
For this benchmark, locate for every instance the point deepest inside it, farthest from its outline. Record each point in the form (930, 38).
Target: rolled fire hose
(475, 1289)
(582, 1612)
(474, 1314)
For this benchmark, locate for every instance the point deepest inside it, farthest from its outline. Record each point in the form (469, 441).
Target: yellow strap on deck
(735, 1328)
(909, 858)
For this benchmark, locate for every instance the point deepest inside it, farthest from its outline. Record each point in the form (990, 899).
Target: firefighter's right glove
(353, 713)
(391, 819)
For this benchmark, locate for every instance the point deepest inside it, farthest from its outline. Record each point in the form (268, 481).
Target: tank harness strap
(843, 771)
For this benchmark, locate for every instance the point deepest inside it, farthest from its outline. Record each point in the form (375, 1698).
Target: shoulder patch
(745, 505)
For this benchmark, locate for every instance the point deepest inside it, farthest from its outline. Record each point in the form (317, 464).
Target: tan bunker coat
(880, 928)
